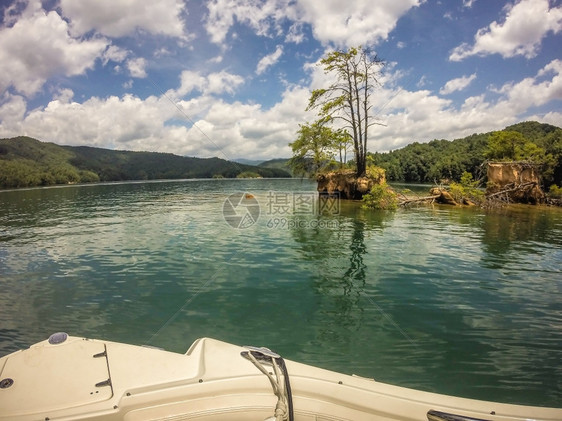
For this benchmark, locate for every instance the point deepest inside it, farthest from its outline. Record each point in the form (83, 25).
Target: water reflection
(444, 299)
(518, 231)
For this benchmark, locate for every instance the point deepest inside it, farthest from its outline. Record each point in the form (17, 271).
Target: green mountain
(279, 163)
(26, 162)
(443, 159)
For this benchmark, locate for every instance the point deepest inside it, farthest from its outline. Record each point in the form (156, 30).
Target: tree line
(27, 162)
(440, 160)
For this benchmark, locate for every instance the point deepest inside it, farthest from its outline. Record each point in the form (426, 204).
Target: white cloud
(264, 17)
(223, 129)
(39, 46)
(137, 67)
(12, 113)
(114, 53)
(457, 84)
(64, 95)
(422, 116)
(552, 117)
(295, 33)
(531, 92)
(422, 82)
(521, 33)
(468, 3)
(222, 82)
(235, 129)
(269, 60)
(118, 18)
(212, 84)
(189, 81)
(360, 22)
(332, 21)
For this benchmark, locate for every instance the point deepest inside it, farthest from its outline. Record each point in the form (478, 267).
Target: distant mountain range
(26, 162)
(245, 161)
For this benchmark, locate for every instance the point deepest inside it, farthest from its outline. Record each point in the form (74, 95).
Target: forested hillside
(443, 159)
(26, 162)
(279, 163)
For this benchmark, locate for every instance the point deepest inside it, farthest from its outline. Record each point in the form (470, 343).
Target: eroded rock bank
(347, 185)
(517, 182)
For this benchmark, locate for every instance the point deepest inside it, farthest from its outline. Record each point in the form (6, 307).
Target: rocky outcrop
(442, 196)
(346, 184)
(515, 182)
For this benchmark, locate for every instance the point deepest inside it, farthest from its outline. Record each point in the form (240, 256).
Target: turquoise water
(456, 301)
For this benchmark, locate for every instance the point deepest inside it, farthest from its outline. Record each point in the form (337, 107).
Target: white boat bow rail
(73, 378)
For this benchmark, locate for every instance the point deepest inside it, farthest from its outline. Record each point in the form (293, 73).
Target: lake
(451, 300)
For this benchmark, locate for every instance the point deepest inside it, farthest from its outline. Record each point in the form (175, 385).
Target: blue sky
(232, 78)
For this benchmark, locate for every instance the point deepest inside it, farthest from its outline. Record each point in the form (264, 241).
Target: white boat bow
(72, 378)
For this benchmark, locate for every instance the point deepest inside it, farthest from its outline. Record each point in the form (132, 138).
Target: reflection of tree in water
(341, 305)
(353, 280)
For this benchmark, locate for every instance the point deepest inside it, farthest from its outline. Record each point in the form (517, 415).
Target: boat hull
(85, 379)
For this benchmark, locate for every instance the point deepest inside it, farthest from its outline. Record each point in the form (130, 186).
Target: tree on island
(348, 99)
(316, 147)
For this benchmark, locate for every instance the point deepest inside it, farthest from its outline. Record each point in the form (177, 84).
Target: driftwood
(510, 189)
(418, 200)
(506, 195)
(527, 192)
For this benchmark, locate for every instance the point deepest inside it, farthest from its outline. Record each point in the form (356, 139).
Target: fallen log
(407, 202)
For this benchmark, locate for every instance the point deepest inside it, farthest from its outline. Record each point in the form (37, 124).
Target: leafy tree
(512, 145)
(555, 192)
(341, 142)
(348, 99)
(467, 189)
(382, 197)
(313, 150)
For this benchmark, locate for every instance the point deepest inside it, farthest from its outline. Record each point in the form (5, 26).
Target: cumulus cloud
(214, 127)
(222, 82)
(269, 60)
(114, 53)
(457, 84)
(118, 18)
(525, 25)
(264, 17)
(411, 113)
(201, 126)
(136, 67)
(537, 91)
(295, 33)
(197, 115)
(346, 23)
(217, 83)
(38, 46)
(12, 112)
(205, 125)
(332, 21)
